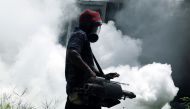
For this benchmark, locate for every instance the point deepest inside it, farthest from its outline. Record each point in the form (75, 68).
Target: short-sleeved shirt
(75, 76)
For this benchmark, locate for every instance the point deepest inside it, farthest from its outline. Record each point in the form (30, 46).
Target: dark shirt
(75, 77)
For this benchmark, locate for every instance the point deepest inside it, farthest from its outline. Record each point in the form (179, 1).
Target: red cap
(90, 16)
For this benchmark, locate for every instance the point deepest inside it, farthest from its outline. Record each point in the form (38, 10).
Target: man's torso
(75, 77)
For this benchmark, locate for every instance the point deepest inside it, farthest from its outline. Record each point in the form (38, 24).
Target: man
(79, 58)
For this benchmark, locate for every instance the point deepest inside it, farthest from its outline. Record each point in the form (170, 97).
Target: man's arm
(97, 72)
(75, 58)
(110, 75)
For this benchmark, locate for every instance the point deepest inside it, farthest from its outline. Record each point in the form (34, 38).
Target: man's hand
(111, 75)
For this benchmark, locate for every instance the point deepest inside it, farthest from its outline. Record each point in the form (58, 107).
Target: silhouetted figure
(79, 59)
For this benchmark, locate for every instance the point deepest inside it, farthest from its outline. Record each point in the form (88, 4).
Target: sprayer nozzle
(128, 94)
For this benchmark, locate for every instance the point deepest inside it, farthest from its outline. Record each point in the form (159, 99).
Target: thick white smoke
(152, 83)
(113, 48)
(33, 62)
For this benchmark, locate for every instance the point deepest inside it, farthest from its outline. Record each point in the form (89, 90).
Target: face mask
(93, 36)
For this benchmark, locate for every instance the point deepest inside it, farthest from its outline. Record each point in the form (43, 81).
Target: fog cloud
(30, 57)
(32, 60)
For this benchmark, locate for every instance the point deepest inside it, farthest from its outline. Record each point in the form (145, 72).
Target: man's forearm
(75, 58)
(97, 72)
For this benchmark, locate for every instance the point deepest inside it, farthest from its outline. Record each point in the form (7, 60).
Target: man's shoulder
(77, 40)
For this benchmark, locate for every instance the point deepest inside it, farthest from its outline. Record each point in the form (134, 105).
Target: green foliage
(186, 101)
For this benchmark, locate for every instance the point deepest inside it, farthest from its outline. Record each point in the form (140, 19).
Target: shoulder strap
(98, 66)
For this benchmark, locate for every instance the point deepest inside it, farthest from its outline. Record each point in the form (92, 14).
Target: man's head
(90, 22)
